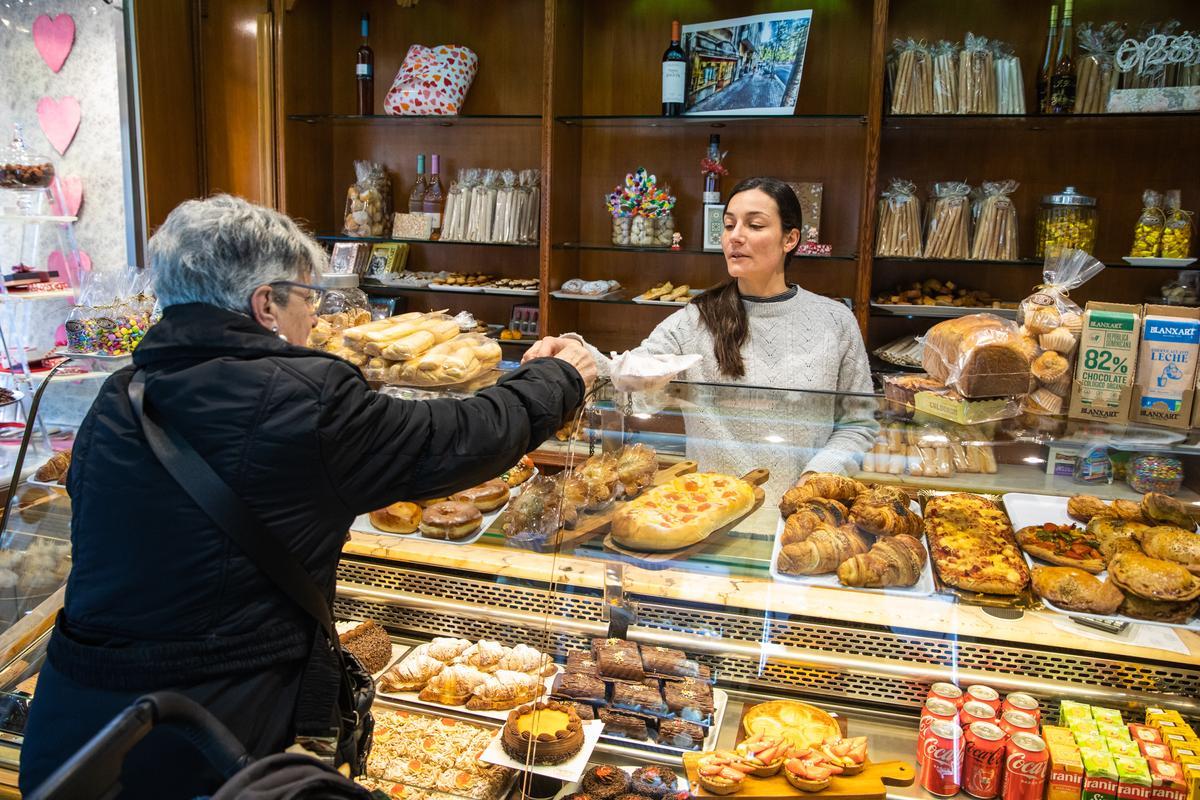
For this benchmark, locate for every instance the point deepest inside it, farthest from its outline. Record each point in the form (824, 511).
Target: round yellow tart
(545, 732)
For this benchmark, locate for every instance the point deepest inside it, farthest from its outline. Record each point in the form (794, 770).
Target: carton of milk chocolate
(1166, 368)
(1104, 371)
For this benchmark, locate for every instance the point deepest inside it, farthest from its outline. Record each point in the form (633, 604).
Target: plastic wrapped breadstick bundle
(1010, 85)
(976, 77)
(506, 184)
(453, 209)
(899, 233)
(1148, 232)
(945, 77)
(913, 93)
(948, 234)
(996, 223)
(456, 361)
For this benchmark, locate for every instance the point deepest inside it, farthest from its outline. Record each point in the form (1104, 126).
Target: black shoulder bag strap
(322, 685)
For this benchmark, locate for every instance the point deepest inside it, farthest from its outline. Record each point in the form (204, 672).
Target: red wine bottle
(674, 74)
(364, 72)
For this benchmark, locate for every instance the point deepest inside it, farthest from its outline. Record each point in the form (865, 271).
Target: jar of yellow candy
(1147, 234)
(1066, 220)
(1177, 232)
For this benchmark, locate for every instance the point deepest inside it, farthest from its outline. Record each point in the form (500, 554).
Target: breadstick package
(461, 359)
(899, 231)
(1096, 73)
(945, 77)
(912, 91)
(949, 221)
(996, 223)
(976, 77)
(1010, 84)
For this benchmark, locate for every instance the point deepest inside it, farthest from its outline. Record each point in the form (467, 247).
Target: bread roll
(410, 346)
(980, 355)
(397, 518)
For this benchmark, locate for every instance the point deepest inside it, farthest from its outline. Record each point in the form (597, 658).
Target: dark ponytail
(721, 309)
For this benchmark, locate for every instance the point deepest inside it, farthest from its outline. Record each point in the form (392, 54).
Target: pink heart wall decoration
(59, 120)
(57, 262)
(68, 195)
(54, 38)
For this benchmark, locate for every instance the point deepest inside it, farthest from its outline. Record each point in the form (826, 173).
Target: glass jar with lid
(21, 169)
(1066, 220)
(343, 305)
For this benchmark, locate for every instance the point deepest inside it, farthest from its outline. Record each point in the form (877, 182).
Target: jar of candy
(664, 230)
(20, 169)
(1155, 473)
(81, 330)
(1066, 220)
(641, 231)
(341, 295)
(1147, 234)
(1177, 231)
(620, 231)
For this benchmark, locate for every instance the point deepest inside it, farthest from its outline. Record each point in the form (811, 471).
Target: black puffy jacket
(158, 596)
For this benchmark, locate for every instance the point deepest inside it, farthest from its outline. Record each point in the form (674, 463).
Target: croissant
(1084, 506)
(524, 658)
(1162, 508)
(446, 649)
(636, 468)
(813, 514)
(1172, 544)
(885, 511)
(820, 484)
(891, 561)
(55, 469)
(484, 655)
(822, 552)
(453, 686)
(506, 689)
(1127, 509)
(410, 674)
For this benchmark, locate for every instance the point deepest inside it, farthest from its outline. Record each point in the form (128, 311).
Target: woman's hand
(568, 350)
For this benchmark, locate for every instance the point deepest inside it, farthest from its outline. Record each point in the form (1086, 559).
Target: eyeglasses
(312, 299)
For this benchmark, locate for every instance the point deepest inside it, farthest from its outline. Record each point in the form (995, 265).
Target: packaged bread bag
(1052, 323)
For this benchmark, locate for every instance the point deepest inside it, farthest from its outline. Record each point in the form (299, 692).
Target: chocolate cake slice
(578, 686)
(690, 699)
(640, 698)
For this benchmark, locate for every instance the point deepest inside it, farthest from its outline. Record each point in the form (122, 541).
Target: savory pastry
(1140, 608)
(397, 518)
(972, 545)
(1075, 590)
(891, 561)
(681, 512)
(636, 467)
(485, 655)
(820, 484)
(722, 772)
(1127, 509)
(453, 686)
(1115, 535)
(55, 469)
(822, 552)
(599, 473)
(1159, 507)
(885, 511)
(1153, 578)
(446, 648)
(524, 658)
(452, 519)
(486, 497)
(1085, 506)
(1172, 544)
(605, 782)
(505, 690)
(519, 473)
(1066, 545)
(545, 732)
(817, 512)
(765, 753)
(654, 781)
(369, 643)
(410, 674)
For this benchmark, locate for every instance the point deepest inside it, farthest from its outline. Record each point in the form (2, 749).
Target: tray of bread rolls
(837, 532)
(1120, 561)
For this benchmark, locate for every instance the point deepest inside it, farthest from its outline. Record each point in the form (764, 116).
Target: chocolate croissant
(820, 484)
(822, 552)
(885, 511)
(891, 561)
(812, 514)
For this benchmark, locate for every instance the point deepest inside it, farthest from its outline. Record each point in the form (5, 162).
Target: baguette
(410, 346)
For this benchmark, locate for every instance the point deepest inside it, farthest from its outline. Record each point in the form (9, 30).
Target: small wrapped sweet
(1177, 230)
(1147, 234)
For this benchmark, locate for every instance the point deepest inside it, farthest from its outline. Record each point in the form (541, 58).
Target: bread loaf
(980, 355)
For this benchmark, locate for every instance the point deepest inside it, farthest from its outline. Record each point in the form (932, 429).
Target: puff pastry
(410, 674)
(820, 484)
(506, 689)
(453, 686)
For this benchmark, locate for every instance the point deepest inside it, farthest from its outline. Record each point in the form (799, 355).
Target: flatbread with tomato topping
(972, 545)
(1065, 545)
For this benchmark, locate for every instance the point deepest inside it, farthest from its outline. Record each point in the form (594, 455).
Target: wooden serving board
(663, 559)
(870, 784)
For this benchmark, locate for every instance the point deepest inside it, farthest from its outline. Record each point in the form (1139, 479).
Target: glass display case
(679, 638)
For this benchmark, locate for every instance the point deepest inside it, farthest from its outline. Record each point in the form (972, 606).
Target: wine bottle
(1043, 86)
(416, 198)
(712, 180)
(674, 72)
(364, 72)
(434, 201)
(1062, 82)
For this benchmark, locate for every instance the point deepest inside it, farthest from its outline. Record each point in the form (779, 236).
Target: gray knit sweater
(807, 342)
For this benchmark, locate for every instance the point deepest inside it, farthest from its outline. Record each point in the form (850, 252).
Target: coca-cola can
(935, 709)
(1016, 721)
(973, 711)
(1019, 701)
(941, 764)
(984, 694)
(1025, 765)
(983, 760)
(947, 691)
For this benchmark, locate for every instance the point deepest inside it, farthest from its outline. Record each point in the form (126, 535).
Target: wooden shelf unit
(572, 87)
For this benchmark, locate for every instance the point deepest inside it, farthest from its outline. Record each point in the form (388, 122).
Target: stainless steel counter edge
(765, 651)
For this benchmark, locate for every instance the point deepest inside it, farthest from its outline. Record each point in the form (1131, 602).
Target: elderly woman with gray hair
(159, 596)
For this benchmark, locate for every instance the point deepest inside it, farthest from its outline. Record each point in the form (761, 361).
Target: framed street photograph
(747, 65)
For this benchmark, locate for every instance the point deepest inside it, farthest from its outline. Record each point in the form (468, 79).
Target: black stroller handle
(95, 771)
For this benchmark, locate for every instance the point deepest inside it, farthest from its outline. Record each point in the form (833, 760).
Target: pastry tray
(570, 770)
(561, 295)
(53, 486)
(413, 700)
(691, 293)
(681, 784)
(941, 312)
(444, 287)
(924, 586)
(1036, 509)
(504, 290)
(362, 524)
(1177, 263)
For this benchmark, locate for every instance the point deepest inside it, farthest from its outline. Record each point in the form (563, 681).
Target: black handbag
(332, 718)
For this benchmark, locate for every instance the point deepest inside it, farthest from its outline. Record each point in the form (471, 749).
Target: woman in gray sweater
(757, 330)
